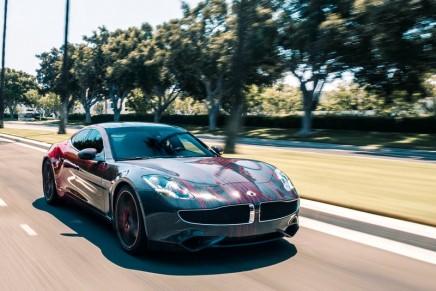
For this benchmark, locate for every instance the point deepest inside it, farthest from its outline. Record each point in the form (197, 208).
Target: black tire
(48, 184)
(129, 224)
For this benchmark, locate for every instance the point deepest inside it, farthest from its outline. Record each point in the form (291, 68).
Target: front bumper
(170, 228)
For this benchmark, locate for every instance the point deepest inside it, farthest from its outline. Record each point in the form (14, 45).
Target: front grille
(237, 214)
(276, 210)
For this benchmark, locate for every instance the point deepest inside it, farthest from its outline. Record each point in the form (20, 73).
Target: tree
(255, 59)
(88, 69)
(137, 102)
(153, 62)
(51, 104)
(187, 106)
(17, 84)
(33, 99)
(393, 44)
(49, 75)
(280, 99)
(203, 54)
(120, 73)
(351, 98)
(312, 46)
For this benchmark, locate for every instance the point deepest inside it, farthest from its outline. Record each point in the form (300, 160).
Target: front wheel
(48, 184)
(128, 222)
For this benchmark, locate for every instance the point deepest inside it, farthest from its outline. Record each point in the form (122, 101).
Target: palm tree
(2, 76)
(65, 93)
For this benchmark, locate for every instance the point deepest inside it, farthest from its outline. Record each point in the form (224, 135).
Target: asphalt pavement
(64, 248)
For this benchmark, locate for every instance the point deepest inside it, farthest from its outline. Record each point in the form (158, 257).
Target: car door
(70, 161)
(90, 173)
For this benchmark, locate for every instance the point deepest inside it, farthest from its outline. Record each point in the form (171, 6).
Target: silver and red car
(158, 184)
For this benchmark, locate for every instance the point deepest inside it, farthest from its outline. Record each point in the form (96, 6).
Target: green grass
(38, 135)
(419, 141)
(399, 189)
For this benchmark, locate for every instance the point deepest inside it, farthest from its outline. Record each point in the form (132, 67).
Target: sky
(35, 26)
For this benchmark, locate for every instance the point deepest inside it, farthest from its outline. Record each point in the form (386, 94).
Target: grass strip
(419, 141)
(398, 189)
(38, 135)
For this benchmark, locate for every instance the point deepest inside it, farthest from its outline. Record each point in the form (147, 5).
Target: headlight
(167, 187)
(284, 179)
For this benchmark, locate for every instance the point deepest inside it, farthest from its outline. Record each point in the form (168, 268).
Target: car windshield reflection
(138, 143)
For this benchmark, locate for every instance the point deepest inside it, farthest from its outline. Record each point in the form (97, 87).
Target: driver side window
(79, 140)
(94, 140)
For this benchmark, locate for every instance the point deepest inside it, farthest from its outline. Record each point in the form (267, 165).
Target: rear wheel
(129, 224)
(48, 184)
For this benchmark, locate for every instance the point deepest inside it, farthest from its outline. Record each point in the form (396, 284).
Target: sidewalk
(380, 152)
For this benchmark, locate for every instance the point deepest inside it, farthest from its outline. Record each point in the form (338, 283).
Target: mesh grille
(276, 210)
(237, 214)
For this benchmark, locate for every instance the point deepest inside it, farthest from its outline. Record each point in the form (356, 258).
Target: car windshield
(129, 143)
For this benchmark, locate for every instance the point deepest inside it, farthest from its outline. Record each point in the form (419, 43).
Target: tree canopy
(225, 53)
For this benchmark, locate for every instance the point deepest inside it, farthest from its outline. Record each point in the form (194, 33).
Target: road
(64, 248)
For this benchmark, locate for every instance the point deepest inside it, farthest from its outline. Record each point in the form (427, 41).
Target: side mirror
(217, 149)
(87, 154)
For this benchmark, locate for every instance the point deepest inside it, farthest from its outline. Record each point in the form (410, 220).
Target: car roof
(108, 125)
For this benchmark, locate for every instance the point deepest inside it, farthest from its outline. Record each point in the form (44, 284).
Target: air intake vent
(238, 214)
(277, 210)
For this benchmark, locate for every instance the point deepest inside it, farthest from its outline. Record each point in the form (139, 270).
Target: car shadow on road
(211, 261)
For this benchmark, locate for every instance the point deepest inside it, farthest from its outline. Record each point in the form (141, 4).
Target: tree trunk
(434, 105)
(213, 112)
(117, 102)
(63, 117)
(157, 115)
(233, 128)
(213, 100)
(306, 121)
(11, 112)
(239, 65)
(117, 114)
(310, 102)
(87, 114)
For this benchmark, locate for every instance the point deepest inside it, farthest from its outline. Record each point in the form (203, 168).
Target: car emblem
(251, 193)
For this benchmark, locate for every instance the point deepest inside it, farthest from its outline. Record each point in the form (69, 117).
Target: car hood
(208, 170)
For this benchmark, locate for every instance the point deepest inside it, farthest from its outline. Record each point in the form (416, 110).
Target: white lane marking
(2, 203)
(409, 227)
(24, 145)
(371, 240)
(25, 140)
(28, 230)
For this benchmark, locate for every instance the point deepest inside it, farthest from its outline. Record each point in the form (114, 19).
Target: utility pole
(2, 75)
(65, 91)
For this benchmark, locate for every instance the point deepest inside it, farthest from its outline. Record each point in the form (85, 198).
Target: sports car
(160, 185)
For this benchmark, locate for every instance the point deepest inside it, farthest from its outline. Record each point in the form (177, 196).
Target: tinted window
(94, 140)
(154, 142)
(79, 139)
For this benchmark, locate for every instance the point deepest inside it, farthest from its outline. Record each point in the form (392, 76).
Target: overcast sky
(35, 26)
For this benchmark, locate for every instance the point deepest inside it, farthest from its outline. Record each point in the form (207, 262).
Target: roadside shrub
(342, 122)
